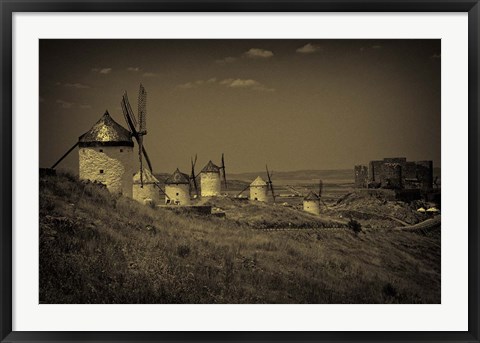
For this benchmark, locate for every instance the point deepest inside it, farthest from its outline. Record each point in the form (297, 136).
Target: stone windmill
(311, 203)
(210, 179)
(105, 155)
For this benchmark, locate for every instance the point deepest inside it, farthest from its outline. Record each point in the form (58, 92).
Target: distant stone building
(396, 173)
(149, 193)
(311, 203)
(177, 189)
(361, 176)
(259, 190)
(210, 183)
(105, 155)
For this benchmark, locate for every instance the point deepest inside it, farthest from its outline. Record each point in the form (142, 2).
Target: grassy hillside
(96, 248)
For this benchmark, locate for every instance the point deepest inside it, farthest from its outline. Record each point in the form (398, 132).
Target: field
(97, 248)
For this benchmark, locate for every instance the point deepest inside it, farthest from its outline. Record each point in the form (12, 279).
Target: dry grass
(95, 248)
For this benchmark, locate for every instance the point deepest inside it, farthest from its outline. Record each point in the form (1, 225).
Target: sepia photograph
(240, 171)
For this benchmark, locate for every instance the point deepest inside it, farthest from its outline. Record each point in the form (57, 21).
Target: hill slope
(96, 248)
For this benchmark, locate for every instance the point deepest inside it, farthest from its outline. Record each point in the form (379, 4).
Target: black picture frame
(8, 7)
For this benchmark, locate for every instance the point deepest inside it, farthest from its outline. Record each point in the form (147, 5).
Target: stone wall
(177, 194)
(258, 193)
(425, 174)
(110, 165)
(311, 206)
(398, 173)
(148, 194)
(375, 171)
(410, 170)
(391, 176)
(361, 176)
(210, 184)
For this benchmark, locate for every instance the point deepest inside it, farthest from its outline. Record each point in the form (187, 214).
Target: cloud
(308, 48)
(246, 84)
(258, 53)
(85, 106)
(102, 70)
(149, 74)
(435, 55)
(255, 53)
(226, 60)
(64, 104)
(187, 85)
(76, 85)
(229, 83)
(133, 69)
(197, 83)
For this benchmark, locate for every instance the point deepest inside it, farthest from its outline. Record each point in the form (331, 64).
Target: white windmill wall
(258, 193)
(178, 194)
(311, 206)
(110, 165)
(146, 195)
(210, 184)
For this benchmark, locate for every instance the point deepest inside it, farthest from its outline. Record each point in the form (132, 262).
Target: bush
(183, 250)
(355, 226)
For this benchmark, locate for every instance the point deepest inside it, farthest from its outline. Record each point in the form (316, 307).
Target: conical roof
(211, 168)
(148, 177)
(106, 132)
(258, 182)
(177, 177)
(311, 197)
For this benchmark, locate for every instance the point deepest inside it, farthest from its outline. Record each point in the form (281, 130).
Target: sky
(291, 104)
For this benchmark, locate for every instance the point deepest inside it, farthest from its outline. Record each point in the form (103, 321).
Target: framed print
(239, 171)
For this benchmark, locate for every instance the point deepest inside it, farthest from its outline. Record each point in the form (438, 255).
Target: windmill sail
(193, 176)
(138, 129)
(269, 182)
(142, 110)
(223, 172)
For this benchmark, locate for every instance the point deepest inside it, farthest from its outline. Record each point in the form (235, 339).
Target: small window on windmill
(101, 171)
(177, 194)
(101, 150)
(121, 150)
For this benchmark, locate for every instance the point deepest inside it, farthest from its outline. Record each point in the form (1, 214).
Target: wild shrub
(355, 226)
(183, 250)
(389, 290)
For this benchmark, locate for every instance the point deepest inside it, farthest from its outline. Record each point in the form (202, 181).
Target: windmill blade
(64, 155)
(147, 159)
(270, 184)
(142, 109)
(140, 150)
(243, 190)
(192, 176)
(223, 172)
(268, 174)
(128, 109)
(273, 193)
(129, 116)
(161, 190)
